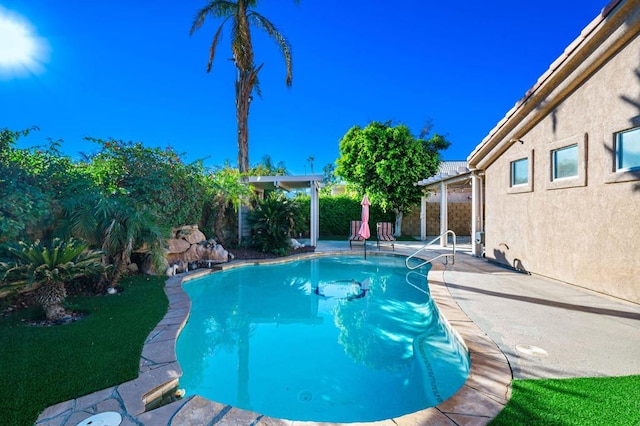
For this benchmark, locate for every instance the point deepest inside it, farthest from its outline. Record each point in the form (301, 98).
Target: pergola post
(477, 220)
(444, 222)
(314, 213)
(423, 218)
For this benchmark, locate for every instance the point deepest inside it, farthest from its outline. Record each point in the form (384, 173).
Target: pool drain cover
(108, 418)
(305, 396)
(532, 350)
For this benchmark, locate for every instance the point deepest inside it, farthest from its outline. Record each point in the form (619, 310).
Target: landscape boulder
(188, 248)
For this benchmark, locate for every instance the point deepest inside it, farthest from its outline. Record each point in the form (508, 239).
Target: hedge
(336, 212)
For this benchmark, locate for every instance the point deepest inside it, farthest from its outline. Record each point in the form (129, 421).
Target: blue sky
(129, 70)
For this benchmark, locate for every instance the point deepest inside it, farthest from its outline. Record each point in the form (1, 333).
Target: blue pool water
(301, 341)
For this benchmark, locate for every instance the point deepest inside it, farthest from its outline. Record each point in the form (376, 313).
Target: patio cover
(452, 173)
(288, 183)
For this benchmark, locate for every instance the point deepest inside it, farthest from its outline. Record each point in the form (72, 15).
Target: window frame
(617, 174)
(554, 162)
(617, 139)
(581, 141)
(513, 171)
(523, 187)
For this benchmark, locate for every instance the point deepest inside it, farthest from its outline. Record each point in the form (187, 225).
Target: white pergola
(289, 183)
(450, 174)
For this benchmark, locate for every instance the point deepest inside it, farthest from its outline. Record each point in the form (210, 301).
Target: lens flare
(22, 51)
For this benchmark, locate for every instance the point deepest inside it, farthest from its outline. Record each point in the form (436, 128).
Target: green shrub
(47, 268)
(336, 212)
(272, 222)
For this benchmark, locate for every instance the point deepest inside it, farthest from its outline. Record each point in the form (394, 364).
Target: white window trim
(572, 181)
(525, 187)
(623, 175)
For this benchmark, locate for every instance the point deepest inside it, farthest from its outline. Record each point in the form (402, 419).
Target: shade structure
(364, 228)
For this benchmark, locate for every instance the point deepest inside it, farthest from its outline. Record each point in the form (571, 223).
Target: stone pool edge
(478, 401)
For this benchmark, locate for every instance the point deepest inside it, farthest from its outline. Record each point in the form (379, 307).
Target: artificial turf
(41, 366)
(584, 401)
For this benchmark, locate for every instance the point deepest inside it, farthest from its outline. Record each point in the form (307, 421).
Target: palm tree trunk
(50, 296)
(244, 86)
(243, 94)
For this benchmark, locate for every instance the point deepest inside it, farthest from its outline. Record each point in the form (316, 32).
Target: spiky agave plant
(272, 221)
(46, 268)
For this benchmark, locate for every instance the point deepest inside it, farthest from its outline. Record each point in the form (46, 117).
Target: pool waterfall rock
(187, 246)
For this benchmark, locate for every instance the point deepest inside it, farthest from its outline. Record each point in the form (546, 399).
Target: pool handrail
(445, 255)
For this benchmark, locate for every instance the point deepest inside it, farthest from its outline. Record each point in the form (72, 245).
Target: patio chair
(354, 232)
(384, 231)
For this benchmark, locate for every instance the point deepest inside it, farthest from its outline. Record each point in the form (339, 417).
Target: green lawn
(41, 366)
(603, 401)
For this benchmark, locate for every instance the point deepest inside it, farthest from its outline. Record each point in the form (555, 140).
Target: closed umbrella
(364, 228)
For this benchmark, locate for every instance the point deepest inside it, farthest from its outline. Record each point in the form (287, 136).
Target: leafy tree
(385, 162)
(224, 193)
(268, 168)
(47, 268)
(272, 222)
(241, 19)
(156, 178)
(32, 182)
(329, 178)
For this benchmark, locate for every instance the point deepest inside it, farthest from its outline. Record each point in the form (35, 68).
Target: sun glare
(22, 51)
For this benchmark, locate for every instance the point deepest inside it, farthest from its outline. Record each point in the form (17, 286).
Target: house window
(565, 162)
(628, 150)
(520, 172)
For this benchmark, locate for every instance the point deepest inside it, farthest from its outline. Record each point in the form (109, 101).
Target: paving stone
(270, 421)
(177, 313)
(469, 420)
(131, 395)
(92, 399)
(239, 417)
(158, 352)
(429, 417)
(199, 411)
(53, 421)
(469, 401)
(126, 421)
(162, 415)
(482, 344)
(111, 404)
(62, 408)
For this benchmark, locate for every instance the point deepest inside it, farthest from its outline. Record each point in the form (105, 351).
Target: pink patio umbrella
(364, 228)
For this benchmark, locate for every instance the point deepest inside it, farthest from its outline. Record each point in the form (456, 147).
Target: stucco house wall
(583, 230)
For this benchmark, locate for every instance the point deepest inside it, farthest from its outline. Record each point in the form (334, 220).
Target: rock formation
(188, 249)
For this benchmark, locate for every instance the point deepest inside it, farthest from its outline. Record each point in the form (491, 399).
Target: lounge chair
(384, 231)
(354, 232)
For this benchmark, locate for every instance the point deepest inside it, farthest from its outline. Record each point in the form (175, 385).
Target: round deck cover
(108, 418)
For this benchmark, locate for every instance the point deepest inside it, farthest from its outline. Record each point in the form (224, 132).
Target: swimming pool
(307, 340)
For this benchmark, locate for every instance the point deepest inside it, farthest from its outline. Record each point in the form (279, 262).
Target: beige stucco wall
(588, 234)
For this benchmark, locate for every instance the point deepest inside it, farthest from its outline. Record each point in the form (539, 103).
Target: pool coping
(483, 395)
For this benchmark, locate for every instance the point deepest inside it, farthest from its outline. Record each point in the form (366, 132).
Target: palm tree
(47, 268)
(118, 225)
(241, 17)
